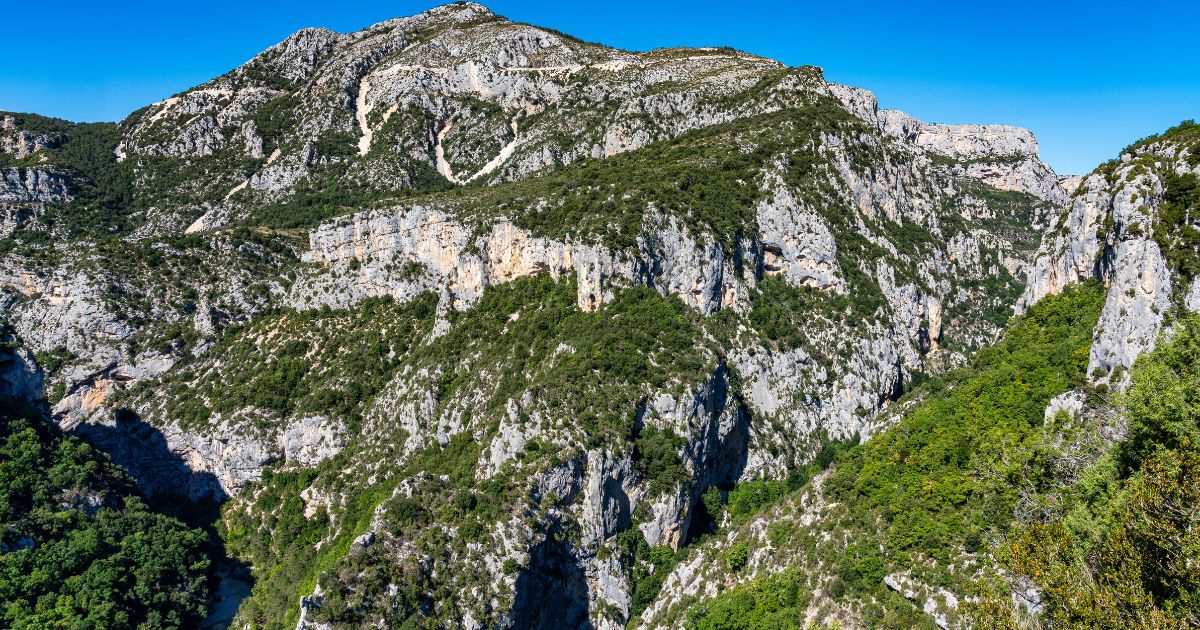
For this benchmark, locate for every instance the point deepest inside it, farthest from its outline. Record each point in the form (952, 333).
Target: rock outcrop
(25, 193)
(21, 143)
(405, 251)
(1004, 157)
(855, 251)
(1112, 232)
(209, 465)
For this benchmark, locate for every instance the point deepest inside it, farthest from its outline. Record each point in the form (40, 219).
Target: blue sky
(1087, 77)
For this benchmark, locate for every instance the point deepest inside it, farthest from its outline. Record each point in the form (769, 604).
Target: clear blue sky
(1086, 77)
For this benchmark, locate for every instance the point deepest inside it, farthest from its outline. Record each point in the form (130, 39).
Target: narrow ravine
(361, 110)
(439, 153)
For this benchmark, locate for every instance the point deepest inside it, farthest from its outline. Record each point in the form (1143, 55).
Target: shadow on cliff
(173, 488)
(720, 455)
(142, 450)
(552, 592)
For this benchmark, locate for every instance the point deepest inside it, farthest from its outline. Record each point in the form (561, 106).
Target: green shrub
(737, 556)
(1163, 404)
(773, 602)
(656, 456)
(1175, 228)
(67, 563)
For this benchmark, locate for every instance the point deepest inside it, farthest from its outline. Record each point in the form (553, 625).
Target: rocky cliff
(463, 317)
(1128, 227)
(1128, 224)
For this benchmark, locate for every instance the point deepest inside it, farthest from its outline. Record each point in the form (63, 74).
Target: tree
(79, 547)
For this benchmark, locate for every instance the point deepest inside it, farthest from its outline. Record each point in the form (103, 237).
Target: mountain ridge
(450, 311)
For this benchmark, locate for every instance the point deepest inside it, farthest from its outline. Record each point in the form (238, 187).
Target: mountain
(460, 322)
(80, 545)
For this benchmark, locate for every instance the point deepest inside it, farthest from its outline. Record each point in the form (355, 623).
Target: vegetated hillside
(920, 503)
(1089, 506)
(469, 323)
(79, 546)
(1119, 548)
(463, 439)
(1092, 504)
(1082, 505)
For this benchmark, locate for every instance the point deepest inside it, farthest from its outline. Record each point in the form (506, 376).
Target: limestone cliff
(1121, 228)
(482, 310)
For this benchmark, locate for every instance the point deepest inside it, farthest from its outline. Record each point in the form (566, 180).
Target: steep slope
(324, 120)
(547, 405)
(453, 309)
(935, 508)
(911, 514)
(1131, 223)
(453, 95)
(974, 511)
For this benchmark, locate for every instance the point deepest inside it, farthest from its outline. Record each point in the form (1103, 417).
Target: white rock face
(1192, 300)
(432, 71)
(1029, 175)
(716, 433)
(1106, 234)
(21, 143)
(33, 184)
(703, 575)
(1001, 156)
(408, 250)
(200, 118)
(508, 444)
(214, 463)
(1071, 403)
(67, 310)
(1070, 251)
(311, 440)
(608, 483)
(597, 489)
(25, 193)
(1139, 295)
(796, 242)
(962, 142)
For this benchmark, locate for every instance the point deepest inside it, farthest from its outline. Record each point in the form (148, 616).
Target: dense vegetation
(1121, 550)
(1186, 134)
(53, 128)
(776, 601)
(955, 468)
(589, 371)
(79, 548)
(1175, 228)
(330, 191)
(102, 186)
(278, 536)
(948, 478)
